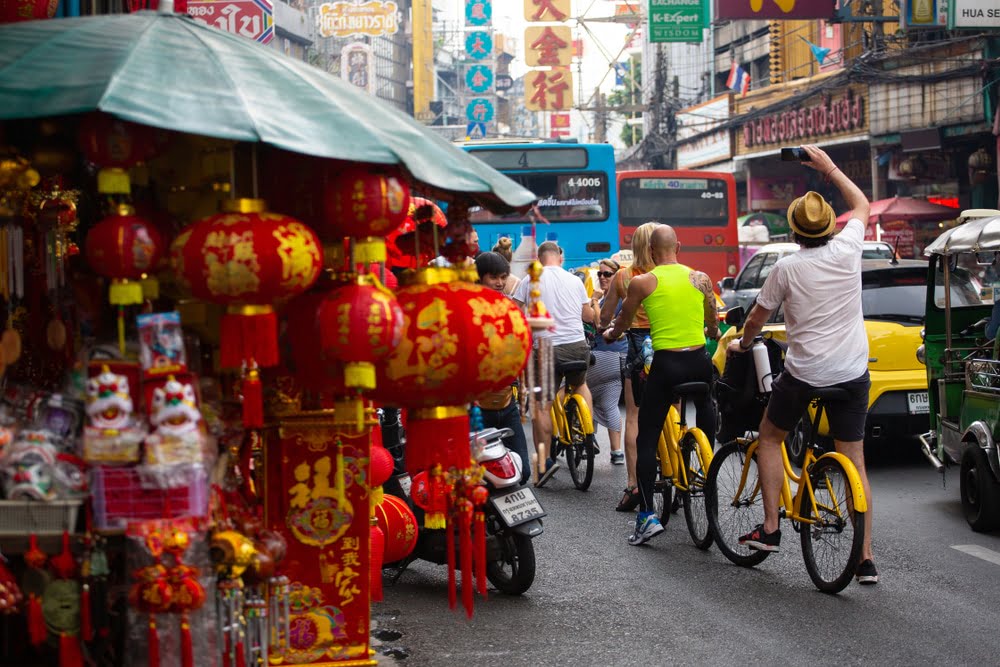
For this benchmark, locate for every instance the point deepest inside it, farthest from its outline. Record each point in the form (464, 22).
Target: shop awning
(169, 71)
(907, 209)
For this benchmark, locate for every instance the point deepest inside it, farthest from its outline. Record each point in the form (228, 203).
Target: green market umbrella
(169, 71)
(776, 224)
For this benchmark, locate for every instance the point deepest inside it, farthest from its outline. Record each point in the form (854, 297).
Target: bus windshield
(562, 197)
(680, 202)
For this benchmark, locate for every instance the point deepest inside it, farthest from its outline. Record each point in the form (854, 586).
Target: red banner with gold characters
(318, 498)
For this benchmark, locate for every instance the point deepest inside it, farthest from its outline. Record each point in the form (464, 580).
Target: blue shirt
(620, 345)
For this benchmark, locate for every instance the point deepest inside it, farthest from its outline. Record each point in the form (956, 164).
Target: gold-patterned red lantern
(363, 203)
(124, 247)
(246, 258)
(12, 11)
(460, 340)
(359, 325)
(114, 145)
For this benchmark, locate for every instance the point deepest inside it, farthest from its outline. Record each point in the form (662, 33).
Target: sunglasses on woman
(606, 274)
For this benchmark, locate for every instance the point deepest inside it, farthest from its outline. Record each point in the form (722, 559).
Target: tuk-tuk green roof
(973, 235)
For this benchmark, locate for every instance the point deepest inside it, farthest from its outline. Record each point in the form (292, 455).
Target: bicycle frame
(669, 449)
(560, 425)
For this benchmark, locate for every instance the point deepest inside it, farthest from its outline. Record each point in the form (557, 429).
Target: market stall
(196, 327)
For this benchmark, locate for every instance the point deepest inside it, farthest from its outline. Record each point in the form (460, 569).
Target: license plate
(918, 403)
(518, 506)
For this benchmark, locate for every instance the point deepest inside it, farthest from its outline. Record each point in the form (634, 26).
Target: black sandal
(629, 501)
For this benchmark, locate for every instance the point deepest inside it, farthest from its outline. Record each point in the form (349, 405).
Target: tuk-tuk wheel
(980, 491)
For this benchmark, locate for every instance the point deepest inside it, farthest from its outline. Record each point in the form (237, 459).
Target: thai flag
(739, 79)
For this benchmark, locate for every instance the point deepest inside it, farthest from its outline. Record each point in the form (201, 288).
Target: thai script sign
(773, 9)
(677, 20)
(830, 116)
(253, 19)
(350, 19)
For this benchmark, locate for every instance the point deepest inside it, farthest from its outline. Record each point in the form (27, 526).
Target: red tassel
(465, 533)
(187, 650)
(228, 652)
(377, 553)
(86, 622)
(69, 651)
(154, 643)
(431, 439)
(449, 531)
(249, 335)
(480, 558)
(241, 657)
(37, 631)
(253, 400)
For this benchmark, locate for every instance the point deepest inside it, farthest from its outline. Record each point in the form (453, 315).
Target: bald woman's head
(664, 242)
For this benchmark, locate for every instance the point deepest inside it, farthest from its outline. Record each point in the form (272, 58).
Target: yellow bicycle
(573, 429)
(685, 455)
(827, 510)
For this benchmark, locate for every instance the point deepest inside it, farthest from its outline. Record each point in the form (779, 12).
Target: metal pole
(947, 313)
(711, 54)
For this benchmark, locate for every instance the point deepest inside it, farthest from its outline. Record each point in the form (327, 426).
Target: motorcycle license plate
(918, 403)
(518, 506)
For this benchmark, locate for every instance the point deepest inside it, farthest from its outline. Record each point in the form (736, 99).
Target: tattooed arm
(704, 285)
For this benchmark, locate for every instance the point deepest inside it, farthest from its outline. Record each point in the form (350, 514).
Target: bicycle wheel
(731, 515)
(579, 452)
(694, 498)
(831, 546)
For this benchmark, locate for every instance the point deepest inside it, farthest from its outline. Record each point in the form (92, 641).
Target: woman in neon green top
(680, 305)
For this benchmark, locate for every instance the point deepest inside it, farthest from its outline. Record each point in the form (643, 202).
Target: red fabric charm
(249, 336)
(86, 621)
(480, 556)
(465, 535)
(450, 549)
(154, 643)
(37, 631)
(187, 650)
(69, 651)
(241, 656)
(253, 400)
(377, 553)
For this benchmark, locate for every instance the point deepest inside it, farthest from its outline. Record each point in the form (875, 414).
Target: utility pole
(600, 118)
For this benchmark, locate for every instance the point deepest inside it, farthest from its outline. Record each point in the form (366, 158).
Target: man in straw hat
(819, 288)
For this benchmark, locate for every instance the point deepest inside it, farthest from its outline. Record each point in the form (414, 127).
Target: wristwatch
(746, 349)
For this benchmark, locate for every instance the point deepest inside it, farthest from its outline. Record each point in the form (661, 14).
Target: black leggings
(667, 370)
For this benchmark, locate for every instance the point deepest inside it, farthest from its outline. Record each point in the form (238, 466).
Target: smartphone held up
(792, 154)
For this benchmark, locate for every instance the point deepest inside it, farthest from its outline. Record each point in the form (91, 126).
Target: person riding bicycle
(680, 304)
(819, 288)
(567, 302)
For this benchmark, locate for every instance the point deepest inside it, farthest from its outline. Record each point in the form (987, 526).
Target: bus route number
(713, 195)
(584, 182)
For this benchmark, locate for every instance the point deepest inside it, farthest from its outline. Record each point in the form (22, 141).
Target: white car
(743, 289)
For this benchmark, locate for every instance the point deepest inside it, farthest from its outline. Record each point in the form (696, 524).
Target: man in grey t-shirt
(819, 288)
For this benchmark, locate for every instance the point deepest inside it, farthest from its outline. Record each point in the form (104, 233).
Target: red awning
(906, 208)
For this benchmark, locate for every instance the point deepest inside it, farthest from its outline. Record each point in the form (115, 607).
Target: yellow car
(892, 301)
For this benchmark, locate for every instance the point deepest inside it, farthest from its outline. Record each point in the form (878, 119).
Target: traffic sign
(479, 110)
(475, 130)
(504, 82)
(253, 19)
(479, 78)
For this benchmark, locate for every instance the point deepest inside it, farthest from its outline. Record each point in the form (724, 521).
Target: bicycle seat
(568, 367)
(831, 394)
(691, 389)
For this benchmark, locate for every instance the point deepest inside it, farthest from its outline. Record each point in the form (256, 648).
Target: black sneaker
(758, 540)
(867, 574)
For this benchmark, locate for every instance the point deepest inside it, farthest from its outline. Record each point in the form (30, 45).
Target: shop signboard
(540, 11)
(478, 78)
(768, 194)
(358, 19)
(974, 14)
(775, 10)
(548, 46)
(357, 66)
(547, 90)
(504, 82)
(677, 20)
(478, 45)
(253, 19)
(924, 13)
(478, 12)
(479, 110)
(832, 115)
(698, 145)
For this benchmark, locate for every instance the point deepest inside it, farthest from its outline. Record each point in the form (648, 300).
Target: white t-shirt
(563, 295)
(821, 292)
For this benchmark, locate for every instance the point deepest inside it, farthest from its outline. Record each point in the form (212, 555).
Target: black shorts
(578, 351)
(790, 397)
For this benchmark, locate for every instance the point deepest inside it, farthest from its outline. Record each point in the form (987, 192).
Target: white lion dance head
(174, 408)
(109, 404)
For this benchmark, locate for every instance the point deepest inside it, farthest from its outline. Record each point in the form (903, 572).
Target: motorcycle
(513, 514)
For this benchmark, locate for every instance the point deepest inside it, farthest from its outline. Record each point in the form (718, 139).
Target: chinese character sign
(356, 65)
(773, 9)
(677, 20)
(253, 19)
(479, 78)
(478, 12)
(548, 90)
(479, 45)
(548, 46)
(322, 510)
(540, 11)
(479, 110)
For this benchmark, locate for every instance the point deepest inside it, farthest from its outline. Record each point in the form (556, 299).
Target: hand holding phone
(794, 154)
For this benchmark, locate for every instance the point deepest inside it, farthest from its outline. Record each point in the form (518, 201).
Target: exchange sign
(479, 110)
(478, 45)
(479, 78)
(478, 12)
(253, 19)
(677, 20)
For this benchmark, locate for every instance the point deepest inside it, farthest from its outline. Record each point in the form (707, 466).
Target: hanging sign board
(350, 19)
(677, 20)
(548, 46)
(253, 19)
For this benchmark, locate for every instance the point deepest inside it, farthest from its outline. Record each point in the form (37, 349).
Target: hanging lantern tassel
(479, 498)
(154, 642)
(465, 534)
(241, 655)
(69, 651)
(187, 649)
(437, 435)
(86, 621)
(37, 632)
(249, 332)
(377, 553)
(253, 398)
(449, 547)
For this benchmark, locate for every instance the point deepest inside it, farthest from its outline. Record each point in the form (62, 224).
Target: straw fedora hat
(810, 216)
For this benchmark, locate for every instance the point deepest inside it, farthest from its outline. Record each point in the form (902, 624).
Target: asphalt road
(598, 601)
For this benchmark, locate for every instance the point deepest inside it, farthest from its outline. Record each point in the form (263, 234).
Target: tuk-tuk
(963, 367)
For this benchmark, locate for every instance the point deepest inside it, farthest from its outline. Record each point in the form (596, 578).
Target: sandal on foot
(629, 501)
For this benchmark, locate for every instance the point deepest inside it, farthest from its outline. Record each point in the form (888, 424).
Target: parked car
(742, 290)
(892, 301)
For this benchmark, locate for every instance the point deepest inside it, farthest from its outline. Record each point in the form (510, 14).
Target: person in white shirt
(567, 302)
(819, 288)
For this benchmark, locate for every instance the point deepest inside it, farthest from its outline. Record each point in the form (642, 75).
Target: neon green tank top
(676, 309)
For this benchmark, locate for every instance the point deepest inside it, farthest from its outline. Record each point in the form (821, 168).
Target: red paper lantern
(399, 525)
(247, 258)
(12, 11)
(359, 324)
(124, 247)
(382, 465)
(301, 334)
(114, 145)
(362, 203)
